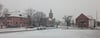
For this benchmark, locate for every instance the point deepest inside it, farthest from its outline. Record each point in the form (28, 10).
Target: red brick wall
(82, 21)
(17, 21)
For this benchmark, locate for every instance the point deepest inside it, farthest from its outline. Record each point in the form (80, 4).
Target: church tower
(51, 14)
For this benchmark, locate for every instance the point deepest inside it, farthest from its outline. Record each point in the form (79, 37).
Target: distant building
(98, 23)
(51, 14)
(51, 20)
(16, 21)
(82, 21)
(13, 21)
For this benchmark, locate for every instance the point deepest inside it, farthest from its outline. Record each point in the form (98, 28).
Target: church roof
(82, 16)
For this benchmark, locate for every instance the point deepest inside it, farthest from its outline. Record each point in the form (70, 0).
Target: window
(8, 22)
(9, 18)
(16, 22)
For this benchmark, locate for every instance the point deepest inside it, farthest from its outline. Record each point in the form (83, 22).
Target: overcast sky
(59, 7)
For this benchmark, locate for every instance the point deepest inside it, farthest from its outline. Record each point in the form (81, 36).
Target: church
(51, 19)
(48, 21)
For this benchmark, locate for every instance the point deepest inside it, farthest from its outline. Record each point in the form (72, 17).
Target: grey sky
(59, 7)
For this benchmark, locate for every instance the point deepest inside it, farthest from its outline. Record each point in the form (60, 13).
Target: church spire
(50, 14)
(50, 10)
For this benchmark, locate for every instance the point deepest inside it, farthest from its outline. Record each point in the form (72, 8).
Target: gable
(82, 16)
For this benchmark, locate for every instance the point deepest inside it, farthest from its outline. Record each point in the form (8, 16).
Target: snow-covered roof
(88, 16)
(17, 13)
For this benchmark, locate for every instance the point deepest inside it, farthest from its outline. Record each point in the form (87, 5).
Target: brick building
(13, 21)
(16, 21)
(82, 21)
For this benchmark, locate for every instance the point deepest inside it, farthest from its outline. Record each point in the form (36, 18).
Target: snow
(54, 33)
(14, 29)
(10, 29)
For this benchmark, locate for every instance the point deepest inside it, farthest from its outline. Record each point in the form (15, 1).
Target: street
(54, 33)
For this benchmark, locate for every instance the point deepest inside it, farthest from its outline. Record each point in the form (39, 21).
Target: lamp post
(96, 19)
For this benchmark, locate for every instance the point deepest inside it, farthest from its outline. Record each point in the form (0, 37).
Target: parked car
(30, 26)
(41, 28)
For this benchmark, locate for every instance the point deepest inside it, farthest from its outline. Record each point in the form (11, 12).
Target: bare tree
(1, 7)
(67, 20)
(29, 13)
(5, 12)
(38, 18)
(57, 23)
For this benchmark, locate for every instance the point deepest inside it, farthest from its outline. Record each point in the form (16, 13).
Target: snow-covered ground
(54, 33)
(15, 29)
(11, 29)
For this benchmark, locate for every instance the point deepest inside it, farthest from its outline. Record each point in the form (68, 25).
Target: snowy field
(54, 33)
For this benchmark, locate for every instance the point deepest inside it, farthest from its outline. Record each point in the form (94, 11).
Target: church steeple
(50, 14)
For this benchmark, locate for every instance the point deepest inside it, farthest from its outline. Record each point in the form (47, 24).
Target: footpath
(11, 30)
